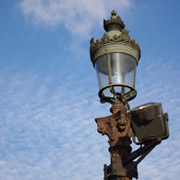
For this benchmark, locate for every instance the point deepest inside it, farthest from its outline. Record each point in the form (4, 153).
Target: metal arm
(142, 152)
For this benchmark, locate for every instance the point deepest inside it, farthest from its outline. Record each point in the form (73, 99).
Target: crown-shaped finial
(115, 23)
(113, 14)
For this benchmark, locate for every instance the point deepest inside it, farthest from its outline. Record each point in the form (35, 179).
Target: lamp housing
(149, 122)
(115, 57)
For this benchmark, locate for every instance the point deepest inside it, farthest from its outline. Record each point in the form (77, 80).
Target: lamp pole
(115, 57)
(117, 128)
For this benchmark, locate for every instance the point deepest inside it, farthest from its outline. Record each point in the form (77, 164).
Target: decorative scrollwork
(115, 126)
(124, 36)
(115, 34)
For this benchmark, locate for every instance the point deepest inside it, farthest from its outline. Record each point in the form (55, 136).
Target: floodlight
(149, 122)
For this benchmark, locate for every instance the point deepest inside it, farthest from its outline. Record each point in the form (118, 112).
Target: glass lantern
(115, 57)
(116, 76)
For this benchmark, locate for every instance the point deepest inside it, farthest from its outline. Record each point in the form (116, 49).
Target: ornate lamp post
(115, 57)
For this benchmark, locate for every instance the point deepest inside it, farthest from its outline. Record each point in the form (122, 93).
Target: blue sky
(49, 89)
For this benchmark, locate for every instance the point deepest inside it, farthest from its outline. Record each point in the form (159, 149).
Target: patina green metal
(149, 122)
(127, 97)
(116, 40)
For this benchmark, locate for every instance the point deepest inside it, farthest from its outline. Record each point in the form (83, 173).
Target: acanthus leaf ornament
(115, 126)
(121, 38)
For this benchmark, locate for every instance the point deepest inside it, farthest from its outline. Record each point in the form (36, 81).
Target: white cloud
(48, 134)
(47, 129)
(162, 163)
(78, 16)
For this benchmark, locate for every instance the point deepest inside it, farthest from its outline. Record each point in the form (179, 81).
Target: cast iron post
(118, 128)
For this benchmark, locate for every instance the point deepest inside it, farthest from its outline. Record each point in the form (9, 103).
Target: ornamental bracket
(116, 126)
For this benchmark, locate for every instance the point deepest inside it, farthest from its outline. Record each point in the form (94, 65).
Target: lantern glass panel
(102, 71)
(117, 70)
(123, 69)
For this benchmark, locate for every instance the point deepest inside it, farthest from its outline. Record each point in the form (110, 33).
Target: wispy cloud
(47, 129)
(163, 162)
(48, 134)
(78, 16)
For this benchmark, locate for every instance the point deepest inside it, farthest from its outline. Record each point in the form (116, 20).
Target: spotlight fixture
(149, 122)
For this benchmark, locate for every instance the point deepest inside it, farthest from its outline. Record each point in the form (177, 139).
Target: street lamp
(115, 57)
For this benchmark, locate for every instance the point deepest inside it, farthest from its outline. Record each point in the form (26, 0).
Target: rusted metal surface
(118, 128)
(123, 178)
